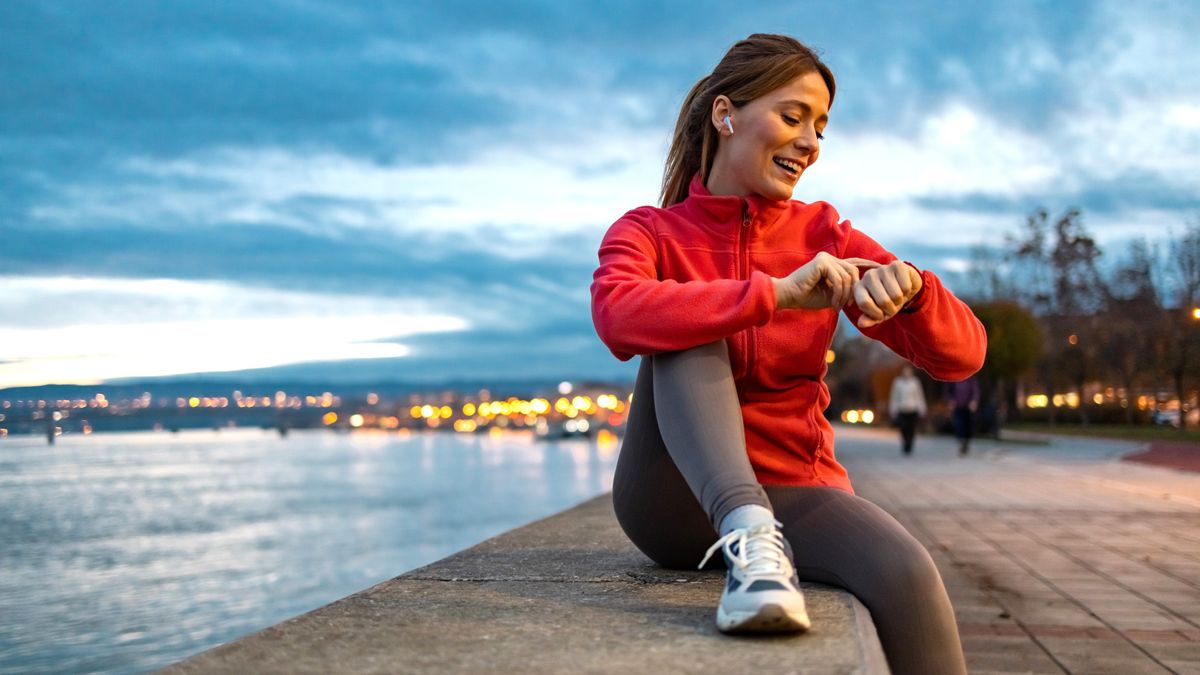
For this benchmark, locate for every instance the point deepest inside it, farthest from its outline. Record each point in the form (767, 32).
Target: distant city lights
(578, 412)
(858, 416)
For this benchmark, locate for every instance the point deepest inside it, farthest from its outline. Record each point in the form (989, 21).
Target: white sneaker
(762, 591)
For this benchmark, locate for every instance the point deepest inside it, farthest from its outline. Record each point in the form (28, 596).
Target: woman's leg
(653, 503)
(700, 417)
(683, 464)
(844, 540)
(683, 474)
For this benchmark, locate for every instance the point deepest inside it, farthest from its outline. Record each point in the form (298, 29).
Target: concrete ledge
(567, 593)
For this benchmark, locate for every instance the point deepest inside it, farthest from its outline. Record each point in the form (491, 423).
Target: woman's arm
(934, 330)
(637, 313)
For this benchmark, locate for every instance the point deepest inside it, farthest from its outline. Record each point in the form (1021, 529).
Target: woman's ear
(722, 108)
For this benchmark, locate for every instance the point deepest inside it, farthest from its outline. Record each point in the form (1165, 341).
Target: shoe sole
(769, 618)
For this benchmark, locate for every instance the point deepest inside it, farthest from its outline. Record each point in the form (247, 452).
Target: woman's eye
(791, 120)
(820, 136)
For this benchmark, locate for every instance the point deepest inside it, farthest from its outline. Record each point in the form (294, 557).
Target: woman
(906, 405)
(730, 293)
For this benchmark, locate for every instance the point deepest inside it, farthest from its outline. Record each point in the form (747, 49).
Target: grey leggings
(683, 466)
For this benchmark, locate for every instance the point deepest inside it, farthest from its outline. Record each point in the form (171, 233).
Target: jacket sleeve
(636, 312)
(936, 331)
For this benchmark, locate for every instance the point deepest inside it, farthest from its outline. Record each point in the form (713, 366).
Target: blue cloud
(1126, 191)
(284, 258)
(85, 87)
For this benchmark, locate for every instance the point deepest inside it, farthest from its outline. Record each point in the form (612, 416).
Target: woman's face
(776, 137)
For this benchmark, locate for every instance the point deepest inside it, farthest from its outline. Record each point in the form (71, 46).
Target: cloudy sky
(417, 190)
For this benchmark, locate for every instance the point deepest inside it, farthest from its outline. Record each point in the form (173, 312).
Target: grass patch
(1124, 432)
(1015, 441)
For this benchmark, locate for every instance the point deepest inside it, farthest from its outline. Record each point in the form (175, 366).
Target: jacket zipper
(744, 263)
(742, 266)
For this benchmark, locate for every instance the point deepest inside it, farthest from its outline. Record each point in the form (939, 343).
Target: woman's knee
(905, 572)
(915, 568)
(887, 558)
(675, 540)
(718, 350)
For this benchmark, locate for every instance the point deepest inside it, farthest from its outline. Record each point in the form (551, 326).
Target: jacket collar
(729, 209)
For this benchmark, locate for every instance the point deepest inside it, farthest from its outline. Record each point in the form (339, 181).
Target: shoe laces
(760, 550)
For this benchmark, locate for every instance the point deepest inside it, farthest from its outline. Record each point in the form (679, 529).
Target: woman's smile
(791, 168)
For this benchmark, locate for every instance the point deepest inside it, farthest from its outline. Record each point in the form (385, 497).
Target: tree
(1030, 263)
(1057, 264)
(1181, 322)
(1078, 286)
(989, 277)
(1015, 343)
(1132, 311)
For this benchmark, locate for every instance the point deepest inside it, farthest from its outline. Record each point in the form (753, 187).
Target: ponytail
(691, 145)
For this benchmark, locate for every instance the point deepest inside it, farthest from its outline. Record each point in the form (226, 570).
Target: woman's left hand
(883, 291)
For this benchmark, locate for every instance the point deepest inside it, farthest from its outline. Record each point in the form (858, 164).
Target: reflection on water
(126, 552)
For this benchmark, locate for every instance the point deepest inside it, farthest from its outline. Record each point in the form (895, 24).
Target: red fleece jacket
(700, 271)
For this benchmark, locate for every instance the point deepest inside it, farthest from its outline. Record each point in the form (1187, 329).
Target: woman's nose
(806, 141)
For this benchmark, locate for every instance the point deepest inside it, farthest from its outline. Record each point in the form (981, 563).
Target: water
(127, 552)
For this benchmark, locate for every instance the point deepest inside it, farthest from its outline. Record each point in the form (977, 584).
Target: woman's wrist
(784, 293)
(913, 303)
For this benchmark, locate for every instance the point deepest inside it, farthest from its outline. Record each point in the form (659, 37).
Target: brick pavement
(1058, 558)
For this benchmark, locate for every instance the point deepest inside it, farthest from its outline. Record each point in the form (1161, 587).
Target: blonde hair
(755, 66)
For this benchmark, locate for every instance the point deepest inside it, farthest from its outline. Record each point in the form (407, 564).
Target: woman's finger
(904, 280)
(833, 276)
(850, 268)
(891, 286)
(873, 283)
(855, 280)
(862, 262)
(914, 280)
(866, 304)
(852, 276)
(865, 321)
(847, 288)
(835, 273)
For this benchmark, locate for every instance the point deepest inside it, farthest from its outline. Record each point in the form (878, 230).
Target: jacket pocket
(792, 348)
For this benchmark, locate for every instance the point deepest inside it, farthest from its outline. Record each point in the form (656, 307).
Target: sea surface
(127, 552)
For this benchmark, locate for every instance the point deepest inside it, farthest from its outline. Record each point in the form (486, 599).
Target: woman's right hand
(824, 281)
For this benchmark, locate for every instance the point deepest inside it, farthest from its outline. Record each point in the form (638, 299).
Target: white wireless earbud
(729, 124)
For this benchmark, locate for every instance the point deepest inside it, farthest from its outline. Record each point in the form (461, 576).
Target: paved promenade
(1058, 558)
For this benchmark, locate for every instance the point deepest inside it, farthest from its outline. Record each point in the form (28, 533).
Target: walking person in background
(906, 405)
(964, 401)
(731, 293)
